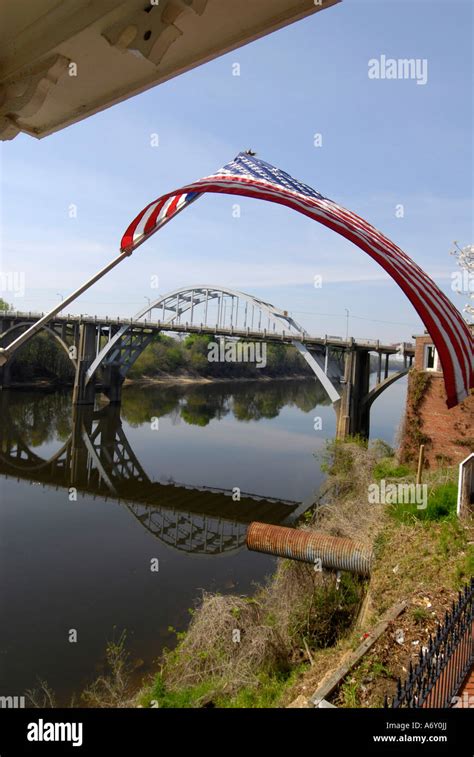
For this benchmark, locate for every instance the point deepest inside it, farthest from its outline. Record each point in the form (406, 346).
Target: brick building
(448, 435)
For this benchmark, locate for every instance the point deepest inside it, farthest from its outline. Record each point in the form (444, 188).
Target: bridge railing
(445, 662)
(20, 314)
(232, 330)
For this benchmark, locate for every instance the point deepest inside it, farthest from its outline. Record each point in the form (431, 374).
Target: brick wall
(448, 435)
(420, 343)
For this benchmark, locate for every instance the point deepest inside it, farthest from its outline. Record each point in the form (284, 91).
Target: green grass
(349, 694)
(191, 697)
(420, 615)
(267, 693)
(389, 469)
(465, 567)
(441, 506)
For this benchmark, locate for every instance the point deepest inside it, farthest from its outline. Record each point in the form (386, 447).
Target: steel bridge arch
(123, 349)
(207, 292)
(379, 389)
(26, 325)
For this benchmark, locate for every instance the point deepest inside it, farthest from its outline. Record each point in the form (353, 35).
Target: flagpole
(6, 352)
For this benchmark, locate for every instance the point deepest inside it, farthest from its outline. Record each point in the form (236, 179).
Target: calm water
(153, 480)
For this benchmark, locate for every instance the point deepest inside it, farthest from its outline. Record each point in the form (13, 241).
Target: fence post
(421, 460)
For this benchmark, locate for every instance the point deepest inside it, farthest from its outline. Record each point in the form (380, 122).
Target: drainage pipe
(334, 552)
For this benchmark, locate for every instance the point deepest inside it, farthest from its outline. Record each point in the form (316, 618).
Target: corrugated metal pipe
(335, 552)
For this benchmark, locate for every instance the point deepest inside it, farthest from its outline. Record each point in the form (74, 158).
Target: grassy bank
(269, 649)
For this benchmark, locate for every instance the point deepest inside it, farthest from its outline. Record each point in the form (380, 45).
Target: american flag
(251, 177)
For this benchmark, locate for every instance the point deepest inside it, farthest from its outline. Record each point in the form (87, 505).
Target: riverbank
(194, 379)
(49, 384)
(276, 647)
(40, 385)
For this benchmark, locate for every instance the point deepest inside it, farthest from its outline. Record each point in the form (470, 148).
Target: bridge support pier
(83, 393)
(353, 414)
(112, 383)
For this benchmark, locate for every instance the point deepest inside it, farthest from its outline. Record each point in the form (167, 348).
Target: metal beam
(327, 384)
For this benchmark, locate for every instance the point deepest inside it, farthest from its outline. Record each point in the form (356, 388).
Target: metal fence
(445, 662)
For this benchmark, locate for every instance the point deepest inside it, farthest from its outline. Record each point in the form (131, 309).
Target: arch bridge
(103, 350)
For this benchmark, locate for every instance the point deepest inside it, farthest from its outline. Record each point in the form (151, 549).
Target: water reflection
(96, 457)
(248, 401)
(143, 495)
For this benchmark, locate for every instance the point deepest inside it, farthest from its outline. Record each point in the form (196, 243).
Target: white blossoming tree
(463, 280)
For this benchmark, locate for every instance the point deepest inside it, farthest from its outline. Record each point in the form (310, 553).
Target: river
(120, 518)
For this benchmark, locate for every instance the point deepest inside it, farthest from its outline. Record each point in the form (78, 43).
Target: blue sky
(384, 143)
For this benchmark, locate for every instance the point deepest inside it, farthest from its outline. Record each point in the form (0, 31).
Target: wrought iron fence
(445, 662)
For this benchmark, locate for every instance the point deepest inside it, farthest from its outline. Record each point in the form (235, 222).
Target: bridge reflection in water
(98, 459)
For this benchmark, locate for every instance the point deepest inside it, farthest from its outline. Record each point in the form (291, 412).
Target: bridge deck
(372, 345)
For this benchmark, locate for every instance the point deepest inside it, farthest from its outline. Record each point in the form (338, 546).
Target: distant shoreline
(181, 379)
(51, 384)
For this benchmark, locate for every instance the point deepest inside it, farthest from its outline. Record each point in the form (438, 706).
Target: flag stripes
(251, 177)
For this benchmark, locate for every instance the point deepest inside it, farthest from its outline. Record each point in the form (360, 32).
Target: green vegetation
(267, 693)
(247, 652)
(420, 615)
(191, 696)
(441, 506)
(113, 687)
(42, 358)
(338, 455)
(433, 537)
(350, 692)
(166, 355)
(387, 468)
(413, 433)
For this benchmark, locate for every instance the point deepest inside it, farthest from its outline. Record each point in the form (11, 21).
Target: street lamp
(347, 324)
